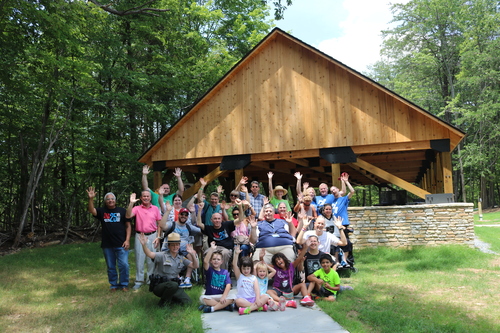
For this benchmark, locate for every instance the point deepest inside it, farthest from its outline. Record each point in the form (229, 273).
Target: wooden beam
(238, 174)
(217, 172)
(193, 161)
(365, 173)
(305, 163)
(300, 161)
(391, 178)
(285, 155)
(392, 147)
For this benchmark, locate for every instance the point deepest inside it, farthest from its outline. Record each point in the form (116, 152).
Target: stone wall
(406, 226)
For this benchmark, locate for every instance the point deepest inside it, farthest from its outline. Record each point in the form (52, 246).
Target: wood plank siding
(285, 101)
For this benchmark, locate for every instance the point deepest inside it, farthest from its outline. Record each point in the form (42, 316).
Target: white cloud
(360, 40)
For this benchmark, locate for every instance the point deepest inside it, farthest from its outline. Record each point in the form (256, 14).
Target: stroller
(345, 268)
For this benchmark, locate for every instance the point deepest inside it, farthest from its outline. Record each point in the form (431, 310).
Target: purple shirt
(216, 281)
(283, 279)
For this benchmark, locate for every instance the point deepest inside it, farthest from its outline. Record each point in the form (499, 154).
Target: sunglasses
(183, 214)
(234, 195)
(236, 214)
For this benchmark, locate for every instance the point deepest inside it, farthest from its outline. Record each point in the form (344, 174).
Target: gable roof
(286, 101)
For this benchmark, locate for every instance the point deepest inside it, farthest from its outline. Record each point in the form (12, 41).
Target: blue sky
(347, 30)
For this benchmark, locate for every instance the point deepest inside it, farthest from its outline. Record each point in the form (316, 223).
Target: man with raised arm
(219, 232)
(115, 241)
(147, 217)
(339, 209)
(211, 207)
(254, 197)
(167, 196)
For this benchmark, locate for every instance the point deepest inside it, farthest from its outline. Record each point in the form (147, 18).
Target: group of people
(253, 236)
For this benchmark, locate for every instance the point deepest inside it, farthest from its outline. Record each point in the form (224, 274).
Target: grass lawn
(435, 289)
(64, 289)
(488, 218)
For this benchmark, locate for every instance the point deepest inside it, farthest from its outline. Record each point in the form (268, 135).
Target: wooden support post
(433, 177)
(336, 175)
(439, 174)
(447, 171)
(157, 180)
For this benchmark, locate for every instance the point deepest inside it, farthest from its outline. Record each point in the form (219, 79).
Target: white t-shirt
(326, 239)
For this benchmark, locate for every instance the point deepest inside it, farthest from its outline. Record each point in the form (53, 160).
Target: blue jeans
(114, 255)
(245, 250)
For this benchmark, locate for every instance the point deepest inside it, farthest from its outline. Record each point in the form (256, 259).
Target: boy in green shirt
(326, 280)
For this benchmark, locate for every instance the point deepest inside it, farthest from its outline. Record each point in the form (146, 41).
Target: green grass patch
(488, 218)
(65, 289)
(423, 289)
(490, 235)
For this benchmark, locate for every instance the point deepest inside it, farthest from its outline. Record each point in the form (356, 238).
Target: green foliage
(443, 56)
(109, 86)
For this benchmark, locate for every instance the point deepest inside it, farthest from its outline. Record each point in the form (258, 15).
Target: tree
(443, 56)
(85, 93)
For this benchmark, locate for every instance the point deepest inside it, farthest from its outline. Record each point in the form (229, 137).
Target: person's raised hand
(177, 172)
(133, 198)
(91, 192)
(203, 182)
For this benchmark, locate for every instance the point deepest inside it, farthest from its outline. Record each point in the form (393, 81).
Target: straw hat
(174, 238)
(279, 188)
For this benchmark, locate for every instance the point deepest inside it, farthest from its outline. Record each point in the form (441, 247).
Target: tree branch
(131, 11)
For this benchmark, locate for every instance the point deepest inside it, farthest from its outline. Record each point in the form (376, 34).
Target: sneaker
(136, 287)
(272, 305)
(229, 308)
(263, 308)
(201, 307)
(207, 309)
(243, 311)
(307, 301)
(185, 285)
(282, 303)
(291, 304)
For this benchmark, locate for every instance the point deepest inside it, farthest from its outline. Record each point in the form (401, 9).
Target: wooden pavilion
(288, 107)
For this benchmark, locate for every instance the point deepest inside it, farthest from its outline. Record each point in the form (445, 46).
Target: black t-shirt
(113, 222)
(221, 236)
(312, 263)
